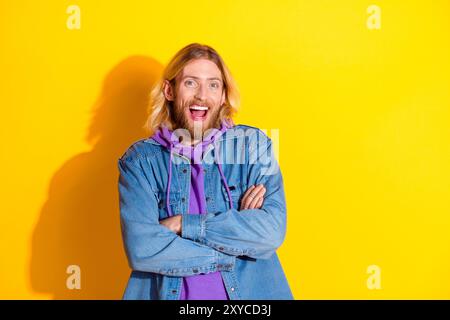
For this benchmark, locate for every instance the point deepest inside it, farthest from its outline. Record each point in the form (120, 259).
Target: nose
(201, 93)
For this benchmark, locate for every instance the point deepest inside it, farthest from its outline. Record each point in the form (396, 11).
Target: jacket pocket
(236, 192)
(174, 202)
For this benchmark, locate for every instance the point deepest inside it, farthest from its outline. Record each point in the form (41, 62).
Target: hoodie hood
(171, 141)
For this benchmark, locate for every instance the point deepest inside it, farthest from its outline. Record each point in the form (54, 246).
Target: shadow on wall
(79, 222)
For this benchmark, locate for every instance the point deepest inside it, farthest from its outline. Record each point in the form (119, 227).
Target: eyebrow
(188, 76)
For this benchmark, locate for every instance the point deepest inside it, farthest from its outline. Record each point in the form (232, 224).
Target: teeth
(196, 107)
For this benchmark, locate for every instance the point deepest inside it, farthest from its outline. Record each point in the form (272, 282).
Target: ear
(168, 90)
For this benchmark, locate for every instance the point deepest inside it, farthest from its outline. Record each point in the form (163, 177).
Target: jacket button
(183, 199)
(174, 291)
(208, 198)
(195, 270)
(204, 170)
(184, 170)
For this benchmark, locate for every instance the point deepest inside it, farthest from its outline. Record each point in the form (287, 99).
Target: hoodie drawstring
(163, 136)
(222, 176)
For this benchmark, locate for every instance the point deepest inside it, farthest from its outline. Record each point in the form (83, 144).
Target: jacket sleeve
(151, 247)
(256, 233)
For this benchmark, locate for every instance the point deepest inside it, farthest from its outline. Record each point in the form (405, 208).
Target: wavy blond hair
(159, 107)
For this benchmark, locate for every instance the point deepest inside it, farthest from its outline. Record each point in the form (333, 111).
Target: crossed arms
(207, 243)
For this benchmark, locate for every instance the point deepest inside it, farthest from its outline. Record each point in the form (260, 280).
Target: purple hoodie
(203, 286)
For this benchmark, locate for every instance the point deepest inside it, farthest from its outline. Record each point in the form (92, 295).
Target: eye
(190, 83)
(215, 85)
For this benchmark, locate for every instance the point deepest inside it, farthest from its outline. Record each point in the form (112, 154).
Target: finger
(253, 196)
(245, 199)
(249, 190)
(255, 200)
(245, 196)
(260, 202)
(248, 199)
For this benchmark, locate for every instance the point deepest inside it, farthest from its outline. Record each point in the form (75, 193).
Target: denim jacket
(240, 244)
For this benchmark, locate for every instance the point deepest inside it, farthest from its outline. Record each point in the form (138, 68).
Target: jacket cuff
(225, 262)
(192, 226)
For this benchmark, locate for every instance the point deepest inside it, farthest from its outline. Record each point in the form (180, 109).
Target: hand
(253, 197)
(172, 223)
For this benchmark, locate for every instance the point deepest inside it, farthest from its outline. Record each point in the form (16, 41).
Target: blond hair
(159, 106)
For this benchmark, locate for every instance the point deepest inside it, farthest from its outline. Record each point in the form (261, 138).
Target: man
(202, 203)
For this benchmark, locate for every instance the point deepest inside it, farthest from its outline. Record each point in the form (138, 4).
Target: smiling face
(197, 96)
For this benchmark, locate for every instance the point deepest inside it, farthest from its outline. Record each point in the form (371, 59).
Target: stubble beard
(196, 128)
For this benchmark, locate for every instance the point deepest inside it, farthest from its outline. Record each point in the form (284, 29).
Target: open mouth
(198, 112)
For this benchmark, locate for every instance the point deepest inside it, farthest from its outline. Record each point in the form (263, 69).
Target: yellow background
(363, 118)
